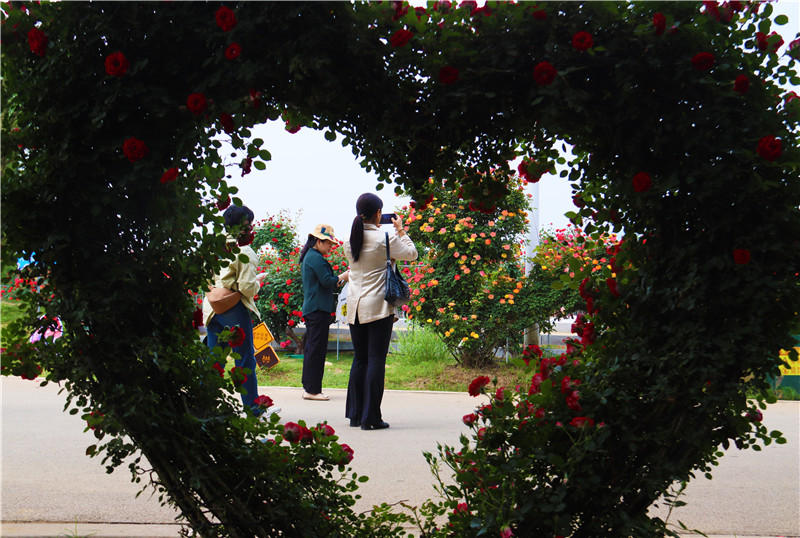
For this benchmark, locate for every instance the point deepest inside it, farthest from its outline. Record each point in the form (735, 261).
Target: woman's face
(324, 246)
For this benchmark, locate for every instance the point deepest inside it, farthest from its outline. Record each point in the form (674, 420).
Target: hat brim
(322, 237)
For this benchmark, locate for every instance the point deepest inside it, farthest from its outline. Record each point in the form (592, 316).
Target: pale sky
(322, 180)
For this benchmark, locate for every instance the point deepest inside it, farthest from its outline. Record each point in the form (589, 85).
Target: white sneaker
(270, 410)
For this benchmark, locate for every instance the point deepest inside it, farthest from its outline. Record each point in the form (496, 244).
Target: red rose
(769, 148)
(401, 37)
(226, 120)
(741, 256)
(578, 201)
(769, 43)
(219, 368)
(255, 98)
(572, 400)
(117, 64)
(741, 84)
(612, 285)
(580, 422)
(238, 376)
(660, 23)
(247, 166)
(134, 149)
(712, 9)
(477, 384)
(544, 73)
(225, 18)
(37, 41)
(197, 318)
(794, 49)
(536, 383)
(448, 75)
(237, 337)
(223, 204)
(641, 182)
(470, 419)
(233, 51)
(702, 61)
(170, 175)
(196, 103)
(292, 128)
(582, 41)
(263, 401)
(539, 13)
(326, 429)
(348, 454)
(292, 432)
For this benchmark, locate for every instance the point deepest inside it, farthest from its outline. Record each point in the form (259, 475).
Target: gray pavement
(50, 488)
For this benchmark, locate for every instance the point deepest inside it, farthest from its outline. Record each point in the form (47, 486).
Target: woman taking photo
(319, 282)
(370, 317)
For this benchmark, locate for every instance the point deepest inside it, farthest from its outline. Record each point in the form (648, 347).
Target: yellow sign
(261, 336)
(267, 358)
(790, 367)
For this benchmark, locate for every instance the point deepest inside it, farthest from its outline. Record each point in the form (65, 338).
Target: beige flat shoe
(318, 397)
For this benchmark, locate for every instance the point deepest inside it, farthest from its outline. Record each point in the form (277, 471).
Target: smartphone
(386, 218)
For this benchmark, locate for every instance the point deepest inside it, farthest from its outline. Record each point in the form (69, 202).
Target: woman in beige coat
(370, 317)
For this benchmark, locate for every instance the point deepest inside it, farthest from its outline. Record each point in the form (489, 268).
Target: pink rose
(263, 402)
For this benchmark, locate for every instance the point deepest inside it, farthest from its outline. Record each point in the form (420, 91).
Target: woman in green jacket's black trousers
(319, 283)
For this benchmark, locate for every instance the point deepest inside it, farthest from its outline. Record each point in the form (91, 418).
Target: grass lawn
(401, 373)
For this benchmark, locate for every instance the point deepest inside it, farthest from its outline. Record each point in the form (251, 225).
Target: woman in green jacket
(319, 283)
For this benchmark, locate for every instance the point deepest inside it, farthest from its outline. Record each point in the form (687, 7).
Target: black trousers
(317, 328)
(365, 388)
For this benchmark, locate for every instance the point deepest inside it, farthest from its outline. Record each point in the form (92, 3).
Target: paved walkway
(50, 488)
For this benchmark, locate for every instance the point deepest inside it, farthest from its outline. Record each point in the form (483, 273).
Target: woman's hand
(344, 277)
(260, 277)
(398, 224)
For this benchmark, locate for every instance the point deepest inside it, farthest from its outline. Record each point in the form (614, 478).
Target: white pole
(532, 333)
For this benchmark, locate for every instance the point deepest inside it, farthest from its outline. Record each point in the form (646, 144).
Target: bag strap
(388, 259)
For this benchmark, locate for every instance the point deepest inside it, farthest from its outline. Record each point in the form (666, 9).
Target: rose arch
(111, 118)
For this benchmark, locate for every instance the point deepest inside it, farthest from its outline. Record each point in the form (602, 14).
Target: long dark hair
(367, 206)
(312, 240)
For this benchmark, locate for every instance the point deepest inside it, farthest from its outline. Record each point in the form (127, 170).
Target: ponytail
(357, 236)
(367, 206)
(310, 242)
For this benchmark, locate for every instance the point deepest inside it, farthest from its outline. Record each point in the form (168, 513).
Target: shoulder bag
(397, 290)
(222, 299)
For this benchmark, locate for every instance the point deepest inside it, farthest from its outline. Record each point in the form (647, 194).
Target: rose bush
(280, 300)
(661, 356)
(471, 289)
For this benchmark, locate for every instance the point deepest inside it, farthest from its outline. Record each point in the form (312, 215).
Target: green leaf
(259, 165)
(330, 136)
(781, 19)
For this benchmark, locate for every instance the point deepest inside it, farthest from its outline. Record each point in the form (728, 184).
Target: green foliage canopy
(110, 175)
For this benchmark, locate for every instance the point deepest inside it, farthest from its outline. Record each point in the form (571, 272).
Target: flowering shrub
(471, 290)
(699, 172)
(280, 300)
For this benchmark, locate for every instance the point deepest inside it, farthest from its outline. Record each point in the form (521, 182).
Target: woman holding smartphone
(369, 316)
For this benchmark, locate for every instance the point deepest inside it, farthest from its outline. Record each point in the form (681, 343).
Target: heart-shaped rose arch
(681, 136)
